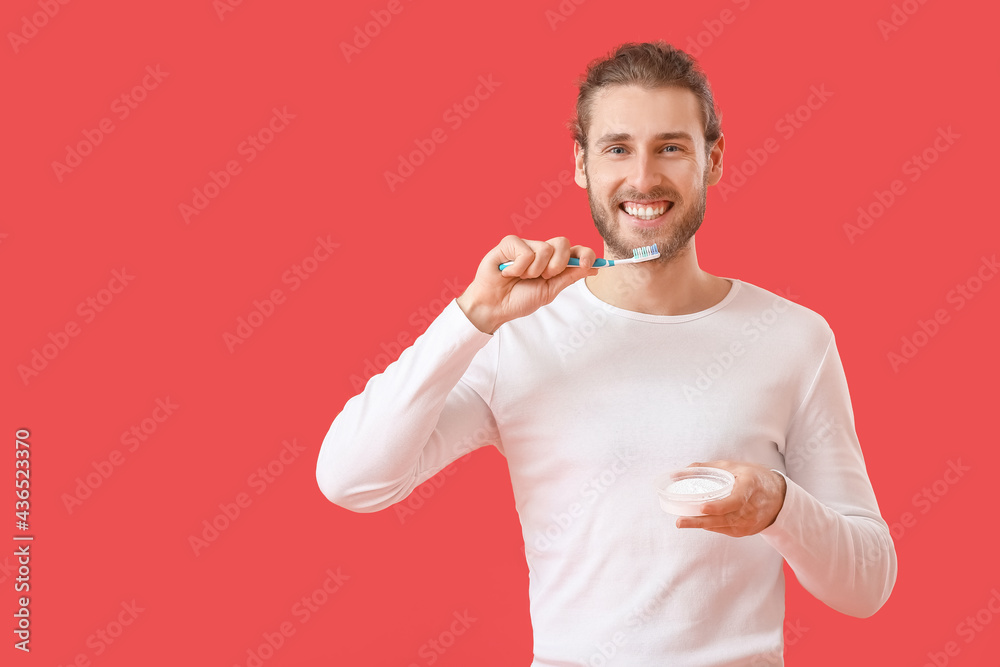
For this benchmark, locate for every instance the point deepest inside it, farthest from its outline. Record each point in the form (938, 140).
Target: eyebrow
(625, 136)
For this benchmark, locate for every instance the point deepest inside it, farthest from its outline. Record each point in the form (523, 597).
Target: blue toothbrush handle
(574, 261)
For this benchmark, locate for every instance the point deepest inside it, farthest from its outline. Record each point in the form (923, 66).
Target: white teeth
(645, 212)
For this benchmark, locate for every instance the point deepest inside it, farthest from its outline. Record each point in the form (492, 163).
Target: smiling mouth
(646, 210)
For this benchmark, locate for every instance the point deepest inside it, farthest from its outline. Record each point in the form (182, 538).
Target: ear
(715, 161)
(581, 173)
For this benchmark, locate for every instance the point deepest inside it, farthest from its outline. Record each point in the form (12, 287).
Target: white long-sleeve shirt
(589, 403)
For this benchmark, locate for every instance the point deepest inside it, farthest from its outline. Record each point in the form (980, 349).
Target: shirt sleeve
(425, 410)
(829, 530)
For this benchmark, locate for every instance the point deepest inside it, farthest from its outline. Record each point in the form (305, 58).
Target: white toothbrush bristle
(645, 252)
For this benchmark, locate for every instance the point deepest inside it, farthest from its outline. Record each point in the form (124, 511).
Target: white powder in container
(683, 491)
(695, 485)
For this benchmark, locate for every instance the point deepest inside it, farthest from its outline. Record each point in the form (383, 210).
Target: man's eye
(622, 149)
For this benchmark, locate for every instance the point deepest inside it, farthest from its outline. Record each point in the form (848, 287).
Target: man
(593, 388)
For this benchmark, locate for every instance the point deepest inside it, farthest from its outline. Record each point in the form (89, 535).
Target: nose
(644, 175)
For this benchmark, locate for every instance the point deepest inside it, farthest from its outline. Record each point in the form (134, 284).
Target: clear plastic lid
(683, 491)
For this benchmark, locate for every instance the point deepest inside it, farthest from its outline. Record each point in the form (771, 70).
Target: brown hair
(650, 65)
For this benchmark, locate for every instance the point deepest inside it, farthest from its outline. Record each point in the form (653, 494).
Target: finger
(584, 253)
(515, 250)
(586, 256)
(729, 504)
(726, 521)
(718, 463)
(543, 254)
(560, 257)
(731, 532)
(571, 274)
(684, 522)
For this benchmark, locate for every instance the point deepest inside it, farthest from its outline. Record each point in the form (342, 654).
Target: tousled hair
(650, 65)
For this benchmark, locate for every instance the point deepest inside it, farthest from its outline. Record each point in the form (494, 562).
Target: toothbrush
(638, 255)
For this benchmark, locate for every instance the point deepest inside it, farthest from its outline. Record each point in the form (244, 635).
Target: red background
(324, 176)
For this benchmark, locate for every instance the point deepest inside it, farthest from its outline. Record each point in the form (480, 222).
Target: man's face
(647, 147)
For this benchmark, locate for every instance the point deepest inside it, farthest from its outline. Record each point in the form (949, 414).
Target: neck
(677, 286)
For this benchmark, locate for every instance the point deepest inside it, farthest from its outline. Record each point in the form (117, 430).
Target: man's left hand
(757, 497)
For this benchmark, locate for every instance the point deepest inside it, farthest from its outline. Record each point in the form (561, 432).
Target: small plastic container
(683, 491)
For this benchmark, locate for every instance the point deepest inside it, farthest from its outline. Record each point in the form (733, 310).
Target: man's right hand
(537, 275)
